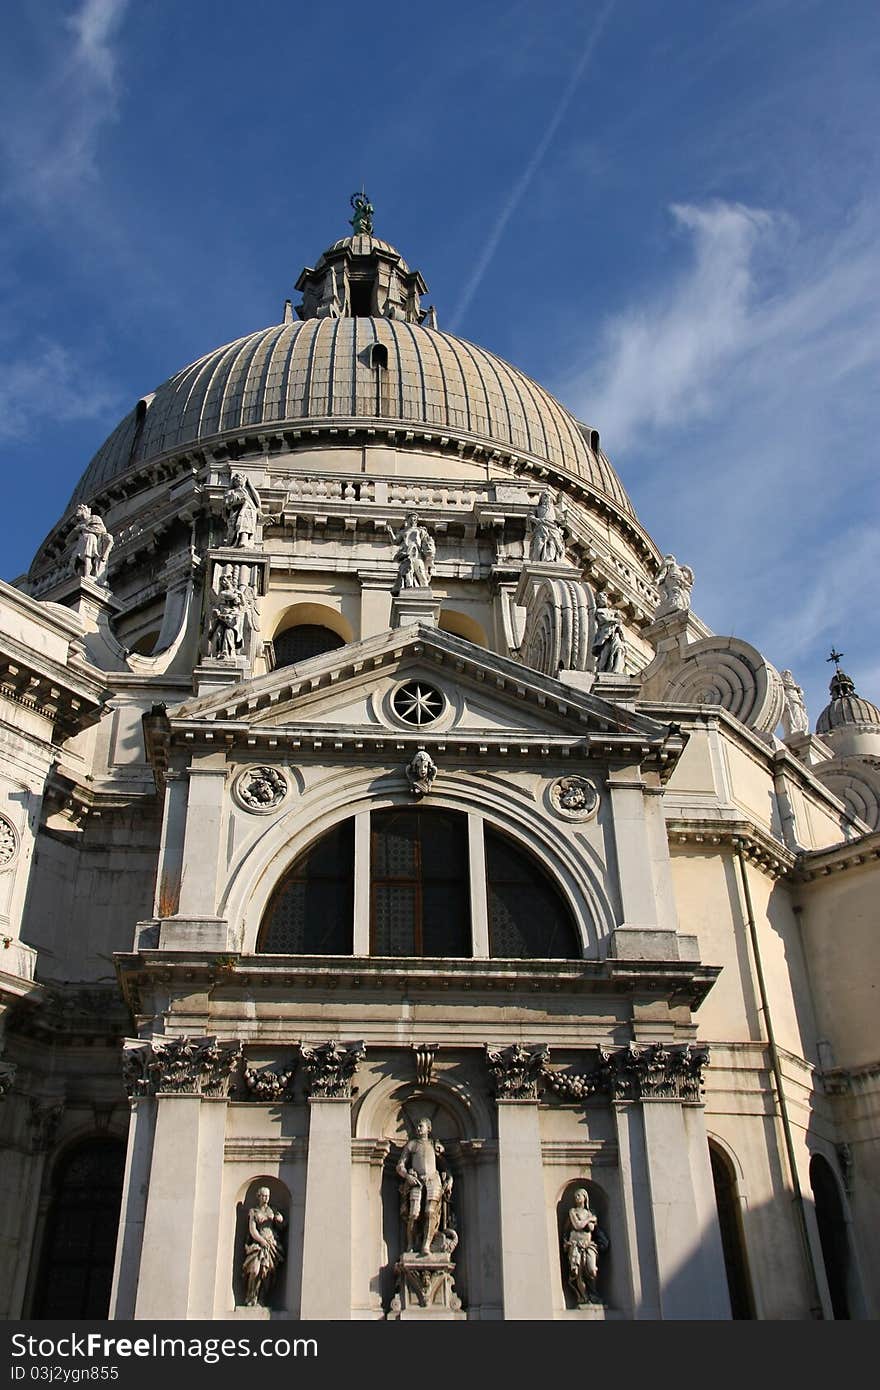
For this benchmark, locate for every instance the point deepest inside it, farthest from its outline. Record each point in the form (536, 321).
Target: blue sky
(667, 213)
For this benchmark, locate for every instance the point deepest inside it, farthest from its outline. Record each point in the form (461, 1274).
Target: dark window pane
(300, 643)
(420, 889)
(312, 911)
(394, 919)
(528, 917)
(79, 1246)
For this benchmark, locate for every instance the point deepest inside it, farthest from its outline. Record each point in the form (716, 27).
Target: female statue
(264, 1252)
(582, 1244)
(675, 582)
(547, 535)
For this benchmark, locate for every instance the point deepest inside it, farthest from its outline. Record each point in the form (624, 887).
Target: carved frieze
(330, 1067)
(180, 1066)
(516, 1071)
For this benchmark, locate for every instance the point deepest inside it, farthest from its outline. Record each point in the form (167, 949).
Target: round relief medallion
(574, 798)
(260, 789)
(8, 842)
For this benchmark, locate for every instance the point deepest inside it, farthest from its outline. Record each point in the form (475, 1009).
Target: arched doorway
(833, 1236)
(79, 1244)
(732, 1238)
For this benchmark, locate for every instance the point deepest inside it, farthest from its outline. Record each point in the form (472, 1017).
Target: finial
(362, 222)
(836, 657)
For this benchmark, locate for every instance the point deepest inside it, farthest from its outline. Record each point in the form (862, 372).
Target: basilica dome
(364, 352)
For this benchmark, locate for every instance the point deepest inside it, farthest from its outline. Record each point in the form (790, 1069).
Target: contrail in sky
(529, 172)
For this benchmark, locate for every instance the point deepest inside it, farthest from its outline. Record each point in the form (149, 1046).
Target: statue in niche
(93, 545)
(415, 554)
(795, 719)
(234, 606)
(263, 1252)
(583, 1241)
(425, 1190)
(547, 542)
(242, 506)
(675, 582)
(608, 647)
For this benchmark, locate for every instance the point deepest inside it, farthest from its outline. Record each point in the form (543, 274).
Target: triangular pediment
(351, 690)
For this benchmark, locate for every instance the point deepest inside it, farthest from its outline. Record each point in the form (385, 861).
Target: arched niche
(79, 1236)
(462, 625)
(314, 615)
(277, 1296)
(833, 1236)
(598, 1202)
(733, 1244)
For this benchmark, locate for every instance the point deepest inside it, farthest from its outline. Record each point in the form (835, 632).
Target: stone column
(526, 1271)
(368, 1157)
(327, 1245)
(132, 1211)
(201, 845)
(639, 936)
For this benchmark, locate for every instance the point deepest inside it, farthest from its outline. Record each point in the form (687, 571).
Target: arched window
(312, 910)
(732, 1239)
(419, 897)
(79, 1246)
(528, 918)
(831, 1221)
(299, 643)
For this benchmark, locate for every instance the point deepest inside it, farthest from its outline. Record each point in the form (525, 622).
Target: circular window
(416, 702)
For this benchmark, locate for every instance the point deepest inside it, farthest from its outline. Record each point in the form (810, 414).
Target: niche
(585, 1257)
(261, 1270)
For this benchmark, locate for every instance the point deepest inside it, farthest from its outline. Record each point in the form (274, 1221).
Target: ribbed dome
(321, 370)
(846, 708)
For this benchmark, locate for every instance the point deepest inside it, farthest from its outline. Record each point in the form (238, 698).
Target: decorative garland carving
(640, 1071)
(331, 1067)
(516, 1071)
(268, 1085)
(180, 1066)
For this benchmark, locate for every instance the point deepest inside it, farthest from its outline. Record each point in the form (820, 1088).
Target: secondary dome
(846, 709)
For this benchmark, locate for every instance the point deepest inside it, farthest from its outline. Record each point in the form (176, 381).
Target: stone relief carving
(516, 1071)
(269, 1085)
(574, 798)
(8, 842)
(608, 647)
(723, 671)
(234, 612)
(556, 633)
(420, 773)
(424, 1056)
(183, 1066)
(260, 789)
(263, 1252)
(7, 1078)
(546, 533)
(795, 719)
(242, 507)
(414, 555)
(640, 1071)
(331, 1067)
(44, 1117)
(92, 545)
(675, 582)
(583, 1241)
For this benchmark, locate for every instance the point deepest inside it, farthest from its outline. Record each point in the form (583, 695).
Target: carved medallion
(260, 790)
(574, 798)
(8, 842)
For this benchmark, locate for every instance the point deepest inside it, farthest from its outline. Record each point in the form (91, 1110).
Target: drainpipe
(775, 1067)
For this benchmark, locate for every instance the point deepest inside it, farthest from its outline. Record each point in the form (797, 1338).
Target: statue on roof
(415, 554)
(362, 222)
(795, 719)
(92, 545)
(547, 533)
(675, 582)
(242, 506)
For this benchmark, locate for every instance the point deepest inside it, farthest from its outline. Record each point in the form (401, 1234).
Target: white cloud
(51, 120)
(48, 383)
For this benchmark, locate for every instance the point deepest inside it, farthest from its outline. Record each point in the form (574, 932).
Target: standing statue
(425, 1189)
(547, 541)
(93, 545)
(676, 582)
(362, 222)
(415, 554)
(795, 719)
(234, 606)
(242, 505)
(582, 1243)
(608, 647)
(264, 1252)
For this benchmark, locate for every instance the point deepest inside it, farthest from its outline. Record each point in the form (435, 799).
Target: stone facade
(364, 610)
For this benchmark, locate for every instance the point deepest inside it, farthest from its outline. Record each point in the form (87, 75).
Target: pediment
(350, 691)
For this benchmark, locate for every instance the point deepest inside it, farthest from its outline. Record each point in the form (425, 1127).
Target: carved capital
(180, 1066)
(331, 1067)
(517, 1071)
(640, 1071)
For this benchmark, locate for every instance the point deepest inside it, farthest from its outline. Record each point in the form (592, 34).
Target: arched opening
(312, 910)
(833, 1235)
(419, 893)
(462, 625)
(76, 1265)
(300, 643)
(528, 918)
(732, 1238)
